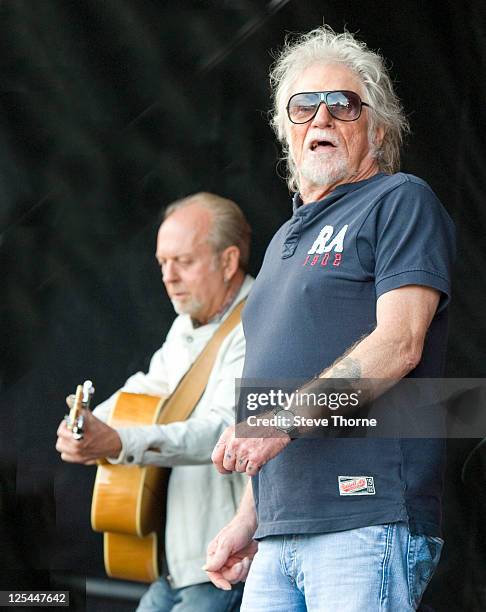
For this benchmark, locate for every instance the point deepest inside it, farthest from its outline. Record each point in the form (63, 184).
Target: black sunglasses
(341, 104)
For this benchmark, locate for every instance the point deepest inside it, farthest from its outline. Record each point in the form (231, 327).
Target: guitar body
(129, 500)
(129, 557)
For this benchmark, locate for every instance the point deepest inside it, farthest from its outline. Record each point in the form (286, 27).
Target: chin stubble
(192, 307)
(321, 171)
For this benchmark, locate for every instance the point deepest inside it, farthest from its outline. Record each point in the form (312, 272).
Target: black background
(112, 109)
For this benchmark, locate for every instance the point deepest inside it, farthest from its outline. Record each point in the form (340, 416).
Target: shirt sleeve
(409, 239)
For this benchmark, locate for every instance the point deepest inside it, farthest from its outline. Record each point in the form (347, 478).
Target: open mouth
(321, 144)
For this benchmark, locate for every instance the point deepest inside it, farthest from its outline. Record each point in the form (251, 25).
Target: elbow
(411, 362)
(410, 354)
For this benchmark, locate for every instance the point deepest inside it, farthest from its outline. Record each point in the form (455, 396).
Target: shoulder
(402, 194)
(406, 205)
(404, 183)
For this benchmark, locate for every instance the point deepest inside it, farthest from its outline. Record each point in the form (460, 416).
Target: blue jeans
(382, 568)
(205, 597)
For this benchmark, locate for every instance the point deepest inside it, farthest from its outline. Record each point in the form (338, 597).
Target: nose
(169, 272)
(323, 117)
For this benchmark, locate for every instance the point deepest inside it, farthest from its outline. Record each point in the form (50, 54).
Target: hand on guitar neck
(99, 440)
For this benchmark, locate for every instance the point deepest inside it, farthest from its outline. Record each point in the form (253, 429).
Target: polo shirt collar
(338, 191)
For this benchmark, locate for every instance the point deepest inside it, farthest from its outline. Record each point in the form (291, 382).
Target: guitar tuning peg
(88, 387)
(88, 390)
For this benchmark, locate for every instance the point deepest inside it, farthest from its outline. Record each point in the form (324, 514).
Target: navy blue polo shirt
(314, 297)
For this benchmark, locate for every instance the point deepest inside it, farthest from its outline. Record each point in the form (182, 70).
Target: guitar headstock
(82, 399)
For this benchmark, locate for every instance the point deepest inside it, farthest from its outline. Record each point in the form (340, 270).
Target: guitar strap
(181, 403)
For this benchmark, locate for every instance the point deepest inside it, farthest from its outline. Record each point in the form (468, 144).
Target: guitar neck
(82, 399)
(76, 408)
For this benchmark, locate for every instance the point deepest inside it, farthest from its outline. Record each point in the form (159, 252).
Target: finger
(238, 572)
(75, 457)
(65, 445)
(68, 458)
(212, 546)
(217, 556)
(70, 400)
(229, 459)
(232, 574)
(88, 415)
(252, 469)
(218, 451)
(246, 563)
(218, 581)
(218, 461)
(62, 429)
(240, 464)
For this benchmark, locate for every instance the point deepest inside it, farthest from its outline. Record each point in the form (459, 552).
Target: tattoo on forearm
(345, 368)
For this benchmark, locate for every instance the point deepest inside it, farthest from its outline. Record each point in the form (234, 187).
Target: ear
(379, 136)
(230, 262)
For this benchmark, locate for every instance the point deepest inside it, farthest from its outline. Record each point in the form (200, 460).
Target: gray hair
(229, 225)
(324, 46)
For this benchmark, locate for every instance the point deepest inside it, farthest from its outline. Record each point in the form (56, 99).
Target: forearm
(375, 364)
(231, 551)
(183, 443)
(381, 355)
(246, 513)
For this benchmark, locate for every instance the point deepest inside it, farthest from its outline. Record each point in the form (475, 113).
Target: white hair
(324, 46)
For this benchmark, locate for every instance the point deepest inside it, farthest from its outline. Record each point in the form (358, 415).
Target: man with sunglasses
(361, 272)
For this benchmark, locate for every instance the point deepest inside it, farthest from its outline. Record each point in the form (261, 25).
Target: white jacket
(200, 501)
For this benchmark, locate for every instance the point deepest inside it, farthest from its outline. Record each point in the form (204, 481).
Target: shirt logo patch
(326, 243)
(356, 485)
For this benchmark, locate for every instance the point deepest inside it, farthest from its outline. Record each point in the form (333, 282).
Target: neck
(232, 289)
(310, 192)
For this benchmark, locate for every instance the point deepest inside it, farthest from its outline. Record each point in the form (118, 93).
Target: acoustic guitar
(129, 500)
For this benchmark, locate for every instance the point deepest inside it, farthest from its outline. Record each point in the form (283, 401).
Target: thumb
(217, 555)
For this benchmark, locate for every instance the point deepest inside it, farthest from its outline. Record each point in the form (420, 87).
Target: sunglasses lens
(344, 105)
(303, 106)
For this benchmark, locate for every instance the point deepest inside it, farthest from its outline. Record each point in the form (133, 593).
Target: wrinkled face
(326, 150)
(191, 271)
